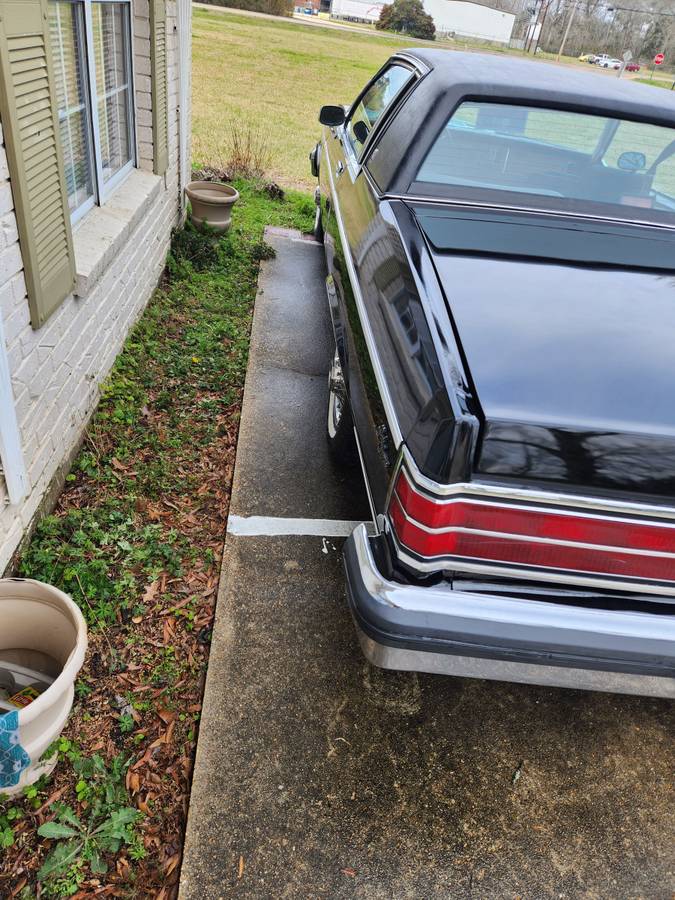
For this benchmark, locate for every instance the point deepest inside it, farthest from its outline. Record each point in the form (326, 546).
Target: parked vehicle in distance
(610, 63)
(600, 59)
(632, 67)
(500, 243)
(587, 57)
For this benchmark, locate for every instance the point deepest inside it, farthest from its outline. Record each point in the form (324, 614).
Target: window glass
(111, 54)
(66, 32)
(555, 156)
(373, 103)
(91, 51)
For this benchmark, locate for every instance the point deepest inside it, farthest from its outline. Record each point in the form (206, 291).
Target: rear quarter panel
(395, 341)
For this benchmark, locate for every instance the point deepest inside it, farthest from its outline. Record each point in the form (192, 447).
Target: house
(454, 18)
(94, 154)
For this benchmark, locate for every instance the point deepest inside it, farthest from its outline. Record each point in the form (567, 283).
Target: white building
(461, 18)
(356, 10)
(90, 188)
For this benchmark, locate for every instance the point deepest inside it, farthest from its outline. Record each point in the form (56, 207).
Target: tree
(655, 39)
(408, 17)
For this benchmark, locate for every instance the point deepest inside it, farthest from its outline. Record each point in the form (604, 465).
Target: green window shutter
(30, 127)
(160, 101)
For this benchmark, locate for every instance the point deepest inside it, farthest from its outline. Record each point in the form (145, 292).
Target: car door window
(370, 107)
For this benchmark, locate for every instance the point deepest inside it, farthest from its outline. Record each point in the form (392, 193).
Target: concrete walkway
(319, 776)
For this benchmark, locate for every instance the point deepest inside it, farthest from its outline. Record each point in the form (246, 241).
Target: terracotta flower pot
(212, 203)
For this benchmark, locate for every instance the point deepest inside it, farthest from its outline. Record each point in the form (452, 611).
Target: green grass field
(270, 77)
(274, 76)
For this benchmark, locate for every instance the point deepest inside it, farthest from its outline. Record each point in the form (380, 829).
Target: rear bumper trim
(403, 660)
(438, 629)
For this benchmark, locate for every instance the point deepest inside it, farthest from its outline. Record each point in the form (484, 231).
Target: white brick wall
(56, 370)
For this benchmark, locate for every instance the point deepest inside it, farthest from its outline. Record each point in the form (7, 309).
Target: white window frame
(103, 189)
(11, 454)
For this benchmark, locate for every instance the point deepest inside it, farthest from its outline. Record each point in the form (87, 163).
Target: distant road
(296, 17)
(316, 22)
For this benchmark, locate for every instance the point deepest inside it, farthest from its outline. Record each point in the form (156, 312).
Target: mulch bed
(137, 539)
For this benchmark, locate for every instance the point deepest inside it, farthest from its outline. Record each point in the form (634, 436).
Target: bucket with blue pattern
(41, 628)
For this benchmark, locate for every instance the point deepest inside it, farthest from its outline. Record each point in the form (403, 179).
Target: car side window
(379, 96)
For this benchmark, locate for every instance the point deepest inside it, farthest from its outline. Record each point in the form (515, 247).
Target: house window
(91, 49)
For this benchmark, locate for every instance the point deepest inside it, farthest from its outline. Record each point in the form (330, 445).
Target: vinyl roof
(487, 74)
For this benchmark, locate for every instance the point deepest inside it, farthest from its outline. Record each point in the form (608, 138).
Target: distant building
(356, 10)
(455, 18)
(310, 7)
(464, 18)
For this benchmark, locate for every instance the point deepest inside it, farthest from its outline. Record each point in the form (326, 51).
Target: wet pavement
(320, 776)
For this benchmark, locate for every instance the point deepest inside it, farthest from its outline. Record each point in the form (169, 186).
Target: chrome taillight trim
(515, 572)
(590, 507)
(493, 493)
(532, 539)
(498, 502)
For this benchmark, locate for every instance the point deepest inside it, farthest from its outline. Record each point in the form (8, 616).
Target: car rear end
(553, 560)
(516, 585)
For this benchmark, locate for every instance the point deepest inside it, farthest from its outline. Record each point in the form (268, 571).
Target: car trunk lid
(573, 363)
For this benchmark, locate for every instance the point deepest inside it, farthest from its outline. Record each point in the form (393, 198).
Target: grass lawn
(136, 539)
(274, 76)
(661, 80)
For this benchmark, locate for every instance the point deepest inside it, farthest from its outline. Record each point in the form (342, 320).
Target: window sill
(99, 236)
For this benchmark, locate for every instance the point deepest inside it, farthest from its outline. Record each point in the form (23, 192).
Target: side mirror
(361, 131)
(632, 161)
(332, 116)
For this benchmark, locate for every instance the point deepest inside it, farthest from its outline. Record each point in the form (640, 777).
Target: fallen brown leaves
(149, 667)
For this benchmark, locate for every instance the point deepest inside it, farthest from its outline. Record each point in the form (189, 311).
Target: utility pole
(531, 28)
(546, 6)
(534, 30)
(567, 30)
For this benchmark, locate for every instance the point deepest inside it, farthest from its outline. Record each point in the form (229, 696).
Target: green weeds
(165, 403)
(106, 824)
(136, 539)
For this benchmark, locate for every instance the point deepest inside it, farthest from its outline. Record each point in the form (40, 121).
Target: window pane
(67, 40)
(555, 157)
(110, 23)
(374, 102)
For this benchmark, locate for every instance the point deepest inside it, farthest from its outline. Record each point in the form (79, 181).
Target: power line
(646, 12)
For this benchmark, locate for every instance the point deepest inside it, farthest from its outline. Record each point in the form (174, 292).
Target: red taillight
(502, 533)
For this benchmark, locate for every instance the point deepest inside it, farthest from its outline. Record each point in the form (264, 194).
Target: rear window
(551, 157)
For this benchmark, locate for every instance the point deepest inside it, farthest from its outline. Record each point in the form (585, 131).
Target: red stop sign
(659, 58)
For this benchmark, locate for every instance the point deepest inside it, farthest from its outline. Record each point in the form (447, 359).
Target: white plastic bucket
(40, 628)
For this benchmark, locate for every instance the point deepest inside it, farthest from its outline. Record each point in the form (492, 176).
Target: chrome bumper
(440, 630)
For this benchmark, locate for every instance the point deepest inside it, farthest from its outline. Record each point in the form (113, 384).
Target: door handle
(339, 169)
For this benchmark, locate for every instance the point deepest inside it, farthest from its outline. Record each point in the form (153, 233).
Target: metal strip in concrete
(260, 526)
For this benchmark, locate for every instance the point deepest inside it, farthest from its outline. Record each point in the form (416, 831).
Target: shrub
(407, 17)
(247, 154)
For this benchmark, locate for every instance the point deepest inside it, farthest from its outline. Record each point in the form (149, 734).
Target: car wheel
(341, 440)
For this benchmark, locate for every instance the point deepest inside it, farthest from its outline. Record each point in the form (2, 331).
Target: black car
(500, 239)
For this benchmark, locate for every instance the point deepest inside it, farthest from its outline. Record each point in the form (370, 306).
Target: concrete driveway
(319, 776)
